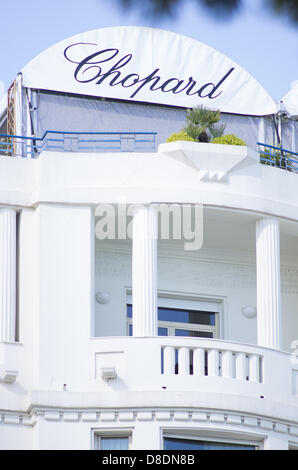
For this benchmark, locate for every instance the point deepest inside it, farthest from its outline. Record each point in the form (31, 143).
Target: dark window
(171, 443)
(172, 316)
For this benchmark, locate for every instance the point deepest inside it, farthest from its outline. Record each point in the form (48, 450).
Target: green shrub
(179, 136)
(228, 139)
(6, 146)
(277, 158)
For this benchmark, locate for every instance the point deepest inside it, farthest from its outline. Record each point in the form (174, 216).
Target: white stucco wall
(65, 293)
(232, 282)
(62, 266)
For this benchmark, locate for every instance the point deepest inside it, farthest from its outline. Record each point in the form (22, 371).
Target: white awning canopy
(148, 65)
(290, 100)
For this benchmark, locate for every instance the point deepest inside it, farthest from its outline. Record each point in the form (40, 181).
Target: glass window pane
(129, 330)
(202, 318)
(162, 331)
(129, 311)
(197, 334)
(173, 315)
(191, 444)
(181, 316)
(205, 334)
(114, 443)
(186, 316)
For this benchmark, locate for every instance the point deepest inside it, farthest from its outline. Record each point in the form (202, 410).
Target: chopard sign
(107, 65)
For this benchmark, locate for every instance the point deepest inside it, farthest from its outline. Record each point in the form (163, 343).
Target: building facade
(118, 330)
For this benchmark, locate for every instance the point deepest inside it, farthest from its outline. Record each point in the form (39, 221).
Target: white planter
(214, 161)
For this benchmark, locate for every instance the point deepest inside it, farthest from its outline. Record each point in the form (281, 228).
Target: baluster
(183, 361)
(227, 364)
(199, 361)
(169, 360)
(254, 368)
(213, 363)
(261, 368)
(241, 366)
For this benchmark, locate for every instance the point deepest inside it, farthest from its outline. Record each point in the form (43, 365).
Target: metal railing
(31, 147)
(278, 157)
(59, 141)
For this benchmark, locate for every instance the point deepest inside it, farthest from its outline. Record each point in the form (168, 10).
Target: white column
(144, 271)
(268, 283)
(7, 274)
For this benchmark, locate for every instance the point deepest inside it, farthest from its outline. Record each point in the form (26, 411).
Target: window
(199, 443)
(182, 317)
(111, 441)
(293, 446)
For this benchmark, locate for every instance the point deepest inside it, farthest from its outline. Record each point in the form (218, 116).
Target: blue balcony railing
(278, 157)
(31, 147)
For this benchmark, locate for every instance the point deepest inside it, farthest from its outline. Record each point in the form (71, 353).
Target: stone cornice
(195, 417)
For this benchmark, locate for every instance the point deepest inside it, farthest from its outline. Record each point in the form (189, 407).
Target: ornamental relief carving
(203, 272)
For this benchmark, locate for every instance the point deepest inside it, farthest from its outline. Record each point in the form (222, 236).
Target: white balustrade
(198, 365)
(212, 362)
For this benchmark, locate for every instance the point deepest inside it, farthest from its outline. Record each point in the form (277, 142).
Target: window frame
(200, 435)
(292, 445)
(112, 433)
(183, 302)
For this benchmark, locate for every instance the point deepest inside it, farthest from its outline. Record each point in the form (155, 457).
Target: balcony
(278, 157)
(196, 365)
(56, 141)
(85, 142)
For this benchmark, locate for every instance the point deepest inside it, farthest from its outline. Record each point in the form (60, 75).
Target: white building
(218, 362)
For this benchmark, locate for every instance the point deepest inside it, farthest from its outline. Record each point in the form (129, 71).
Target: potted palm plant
(201, 124)
(213, 161)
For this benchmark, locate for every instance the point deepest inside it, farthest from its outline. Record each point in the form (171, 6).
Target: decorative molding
(174, 248)
(144, 416)
(71, 416)
(53, 415)
(204, 270)
(225, 419)
(12, 419)
(107, 416)
(17, 419)
(89, 416)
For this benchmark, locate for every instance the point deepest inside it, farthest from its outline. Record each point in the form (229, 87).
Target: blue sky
(264, 44)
